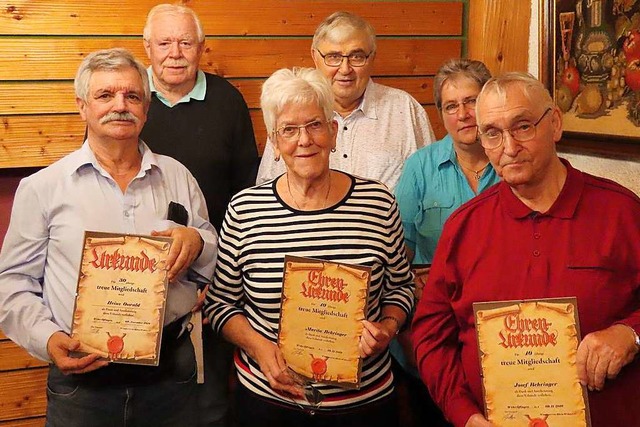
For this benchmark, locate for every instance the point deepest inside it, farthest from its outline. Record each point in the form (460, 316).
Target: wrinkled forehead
(348, 35)
(120, 79)
(501, 98)
(173, 24)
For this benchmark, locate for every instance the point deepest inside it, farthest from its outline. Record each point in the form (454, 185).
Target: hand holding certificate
(323, 305)
(120, 300)
(528, 362)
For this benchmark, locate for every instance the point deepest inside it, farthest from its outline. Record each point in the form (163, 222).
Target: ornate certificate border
(527, 353)
(121, 295)
(323, 305)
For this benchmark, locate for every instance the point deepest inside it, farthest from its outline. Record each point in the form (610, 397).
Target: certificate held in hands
(323, 305)
(527, 355)
(121, 295)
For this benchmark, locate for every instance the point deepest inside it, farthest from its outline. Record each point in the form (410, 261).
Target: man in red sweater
(547, 230)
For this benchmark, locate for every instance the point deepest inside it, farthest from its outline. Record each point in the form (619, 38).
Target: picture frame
(590, 62)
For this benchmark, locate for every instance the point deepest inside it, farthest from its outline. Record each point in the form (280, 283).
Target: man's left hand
(602, 354)
(187, 245)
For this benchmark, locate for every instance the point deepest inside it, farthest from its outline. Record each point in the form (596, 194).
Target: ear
(147, 47)
(556, 121)
(82, 107)
(372, 57)
(276, 150)
(313, 56)
(334, 133)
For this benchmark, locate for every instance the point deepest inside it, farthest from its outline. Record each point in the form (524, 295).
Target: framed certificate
(121, 295)
(528, 363)
(323, 305)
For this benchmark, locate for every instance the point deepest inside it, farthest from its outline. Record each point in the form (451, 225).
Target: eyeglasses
(453, 107)
(522, 132)
(291, 133)
(355, 59)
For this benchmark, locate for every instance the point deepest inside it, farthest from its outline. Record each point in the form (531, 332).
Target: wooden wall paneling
(59, 58)
(23, 394)
(15, 357)
(499, 34)
(38, 140)
(30, 97)
(30, 422)
(235, 18)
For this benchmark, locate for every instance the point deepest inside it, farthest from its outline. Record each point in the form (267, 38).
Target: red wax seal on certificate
(115, 345)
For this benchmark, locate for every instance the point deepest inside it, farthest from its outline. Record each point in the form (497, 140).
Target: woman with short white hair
(309, 211)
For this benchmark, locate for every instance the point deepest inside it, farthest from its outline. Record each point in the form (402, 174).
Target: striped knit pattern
(259, 230)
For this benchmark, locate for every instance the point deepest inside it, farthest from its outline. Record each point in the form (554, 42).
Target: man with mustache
(378, 126)
(532, 236)
(113, 183)
(201, 120)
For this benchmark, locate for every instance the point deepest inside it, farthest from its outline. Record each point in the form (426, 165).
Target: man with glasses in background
(532, 236)
(378, 126)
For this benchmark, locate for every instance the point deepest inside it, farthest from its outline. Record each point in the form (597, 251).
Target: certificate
(121, 295)
(323, 305)
(528, 362)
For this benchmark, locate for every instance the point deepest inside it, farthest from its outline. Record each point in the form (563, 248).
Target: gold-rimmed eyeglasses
(334, 59)
(524, 131)
(291, 133)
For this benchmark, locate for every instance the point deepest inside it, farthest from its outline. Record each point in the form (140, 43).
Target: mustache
(179, 63)
(116, 116)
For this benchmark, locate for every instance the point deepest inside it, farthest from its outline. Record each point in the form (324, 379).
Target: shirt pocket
(431, 215)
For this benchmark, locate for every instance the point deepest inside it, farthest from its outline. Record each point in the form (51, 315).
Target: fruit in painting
(564, 98)
(590, 100)
(571, 78)
(631, 46)
(632, 75)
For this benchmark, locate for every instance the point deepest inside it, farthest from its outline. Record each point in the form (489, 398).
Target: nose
(345, 68)
(174, 50)
(463, 111)
(119, 103)
(510, 145)
(304, 139)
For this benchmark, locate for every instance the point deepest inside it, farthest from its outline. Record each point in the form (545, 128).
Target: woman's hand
(274, 368)
(376, 337)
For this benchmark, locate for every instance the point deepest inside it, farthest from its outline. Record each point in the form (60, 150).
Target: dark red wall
(9, 179)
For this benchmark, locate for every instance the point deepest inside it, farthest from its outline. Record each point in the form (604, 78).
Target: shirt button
(126, 213)
(536, 235)
(536, 253)
(344, 156)
(435, 203)
(345, 128)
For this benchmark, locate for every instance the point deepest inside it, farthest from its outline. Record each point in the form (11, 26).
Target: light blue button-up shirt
(431, 187)
(40, 258)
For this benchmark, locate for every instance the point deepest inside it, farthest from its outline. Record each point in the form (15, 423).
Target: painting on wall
(593, 54)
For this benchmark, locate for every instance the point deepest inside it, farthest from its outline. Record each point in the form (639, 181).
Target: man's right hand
(478, 420)
(58, 348)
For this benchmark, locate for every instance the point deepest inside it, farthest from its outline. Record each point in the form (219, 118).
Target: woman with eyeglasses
(435, 181)
(309, 211)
